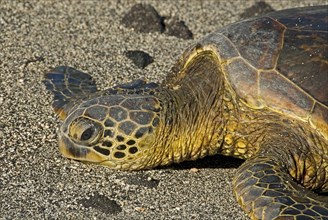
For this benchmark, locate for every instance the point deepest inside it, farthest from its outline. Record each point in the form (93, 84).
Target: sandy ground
(35, 180)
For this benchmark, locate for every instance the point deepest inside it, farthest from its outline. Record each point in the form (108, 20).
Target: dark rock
(139, 58)
(178, 29)
(143, 18)
(101, 203)
(142, 180)
(258, 8)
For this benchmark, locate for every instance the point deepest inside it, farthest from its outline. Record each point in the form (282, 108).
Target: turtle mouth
(74, 151)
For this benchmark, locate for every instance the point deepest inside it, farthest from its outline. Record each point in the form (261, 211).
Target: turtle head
(116, 130)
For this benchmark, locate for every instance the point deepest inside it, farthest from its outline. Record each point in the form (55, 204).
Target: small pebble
(139, 58)
(178, 29)
(143, 18)
(258, 8)
(194, 170)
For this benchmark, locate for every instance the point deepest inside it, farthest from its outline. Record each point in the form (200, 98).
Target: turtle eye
(85, 131)
(87, 134)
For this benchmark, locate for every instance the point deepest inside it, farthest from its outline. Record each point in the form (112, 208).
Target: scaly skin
(283, 153)
(266, 185)
(255, 89)
(180, 134)
(199, 114)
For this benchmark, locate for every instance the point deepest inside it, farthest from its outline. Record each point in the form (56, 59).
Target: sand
(36, 182)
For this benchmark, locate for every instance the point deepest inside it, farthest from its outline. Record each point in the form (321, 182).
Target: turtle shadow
(209, 162)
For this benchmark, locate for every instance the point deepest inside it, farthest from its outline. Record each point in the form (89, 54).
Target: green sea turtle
(256, 90)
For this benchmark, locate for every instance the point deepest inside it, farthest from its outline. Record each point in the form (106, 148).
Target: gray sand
(35, 180)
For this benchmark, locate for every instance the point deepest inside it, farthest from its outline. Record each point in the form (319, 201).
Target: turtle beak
(71, 150)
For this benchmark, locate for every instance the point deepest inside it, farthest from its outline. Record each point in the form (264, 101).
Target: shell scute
(244, 80)
(282, 95)
(257, 40)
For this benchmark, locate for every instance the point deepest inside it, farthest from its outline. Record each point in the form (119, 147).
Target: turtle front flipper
(265, 190)
(68, 85)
